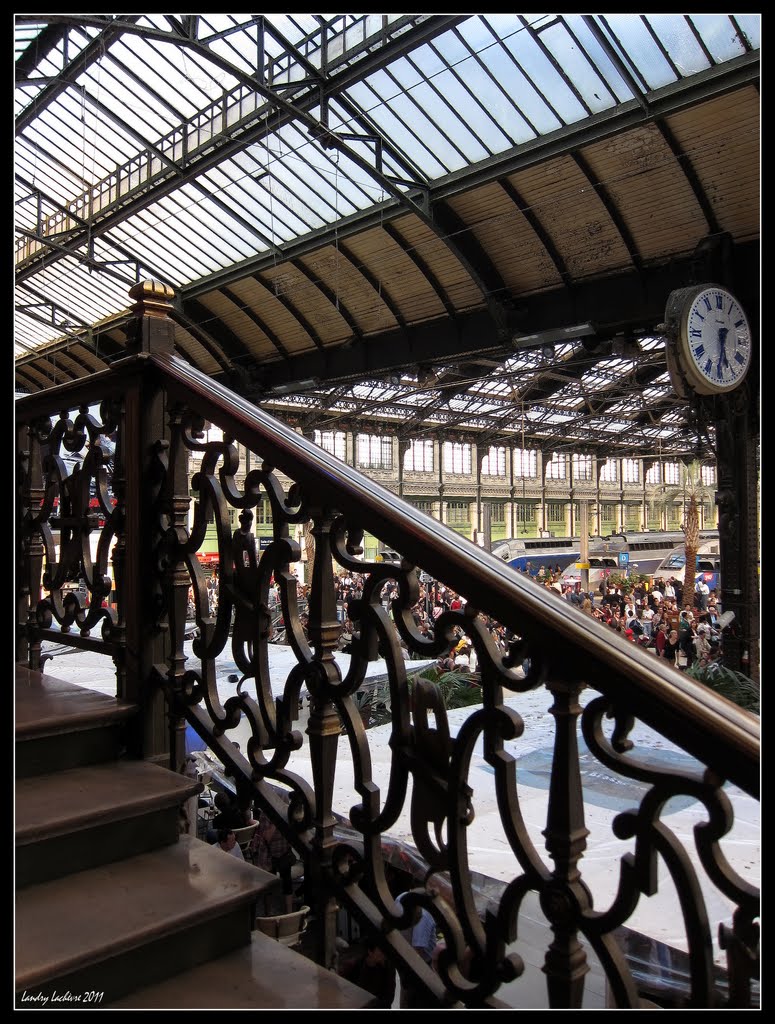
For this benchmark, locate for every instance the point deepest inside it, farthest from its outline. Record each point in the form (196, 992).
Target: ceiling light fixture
(552, 335)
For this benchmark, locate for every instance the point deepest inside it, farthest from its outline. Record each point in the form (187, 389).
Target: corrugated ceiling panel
(447, 268)
(410, 289)
(46, 373)
(729, 168)
(508, 239)
(88, 358)
(569, 209)
(196, 352)
(309, 300)
(651, 191)
(343, 279)
(273, 314)
(31, 378)
(70, 366)
(235, 320)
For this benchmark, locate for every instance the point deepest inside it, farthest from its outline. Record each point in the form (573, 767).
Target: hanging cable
(336, 227)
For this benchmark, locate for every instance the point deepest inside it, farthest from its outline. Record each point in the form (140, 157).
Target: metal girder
(286, 110)
(621, 302)
(111, 27)
(221, 342)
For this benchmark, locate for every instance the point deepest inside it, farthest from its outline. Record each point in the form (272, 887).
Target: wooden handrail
(706, 725)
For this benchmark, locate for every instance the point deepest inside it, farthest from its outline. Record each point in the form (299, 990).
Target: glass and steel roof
(249, 161)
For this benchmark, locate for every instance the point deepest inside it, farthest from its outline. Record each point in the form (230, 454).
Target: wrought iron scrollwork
(78, 519)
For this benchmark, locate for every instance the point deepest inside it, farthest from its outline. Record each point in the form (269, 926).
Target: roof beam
(112, 27)
(622, 302)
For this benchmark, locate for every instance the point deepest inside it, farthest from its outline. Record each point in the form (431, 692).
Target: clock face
(715, 341)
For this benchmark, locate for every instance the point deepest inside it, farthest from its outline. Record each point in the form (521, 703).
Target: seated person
(270, 850)
(227, 842)
(374, 973)
(422, 936)
(229, 813)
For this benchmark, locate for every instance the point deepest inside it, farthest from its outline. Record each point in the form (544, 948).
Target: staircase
(114, 908)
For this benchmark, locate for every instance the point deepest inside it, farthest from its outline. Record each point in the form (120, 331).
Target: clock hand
(722, 341)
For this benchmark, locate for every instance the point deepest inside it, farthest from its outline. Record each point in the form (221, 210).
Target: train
(530, 553)
(708, 564)
(630, 552)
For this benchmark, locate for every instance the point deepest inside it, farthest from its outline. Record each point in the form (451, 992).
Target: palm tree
(693, 493)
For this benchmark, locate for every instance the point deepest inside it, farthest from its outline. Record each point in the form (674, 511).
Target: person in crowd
(230, 815)
(346, 636)
(660, 639)
(270, 850)
(702, 644)
(672, 647)
(375, 973)
(422, 936)
(227, 842)
(685, 639)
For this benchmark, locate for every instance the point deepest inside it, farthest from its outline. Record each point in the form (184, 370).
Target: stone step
(262, 975)
(64, 725)
(82, 817)
(134, 922)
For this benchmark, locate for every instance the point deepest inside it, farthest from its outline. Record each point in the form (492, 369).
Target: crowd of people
(656, 615)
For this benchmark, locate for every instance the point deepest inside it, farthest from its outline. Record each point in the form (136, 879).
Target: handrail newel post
(149, 643)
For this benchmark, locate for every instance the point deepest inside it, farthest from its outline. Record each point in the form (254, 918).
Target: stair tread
(46, 705)
(71, 922)
(77, 798)
(262, 975)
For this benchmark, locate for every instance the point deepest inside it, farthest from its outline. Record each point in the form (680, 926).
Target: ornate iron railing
(131, 488)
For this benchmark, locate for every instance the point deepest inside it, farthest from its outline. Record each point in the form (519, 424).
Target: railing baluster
(566, 834)
(323, 729)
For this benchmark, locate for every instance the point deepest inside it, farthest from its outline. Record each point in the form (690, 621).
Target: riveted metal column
(738, 529)
(565, 896)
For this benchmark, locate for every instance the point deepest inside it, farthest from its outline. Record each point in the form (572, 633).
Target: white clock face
(717, 341)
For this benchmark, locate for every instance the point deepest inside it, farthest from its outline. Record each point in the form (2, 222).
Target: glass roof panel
(532, 104)
(685, 50)
(720, 35)
(574, 62)
(407, 140)
(749, 24)
(538, 68)
(489, 84)
(414, 110)
(631, 35)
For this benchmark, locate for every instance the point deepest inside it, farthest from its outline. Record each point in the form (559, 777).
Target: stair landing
(263, 975)
(46, 705)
